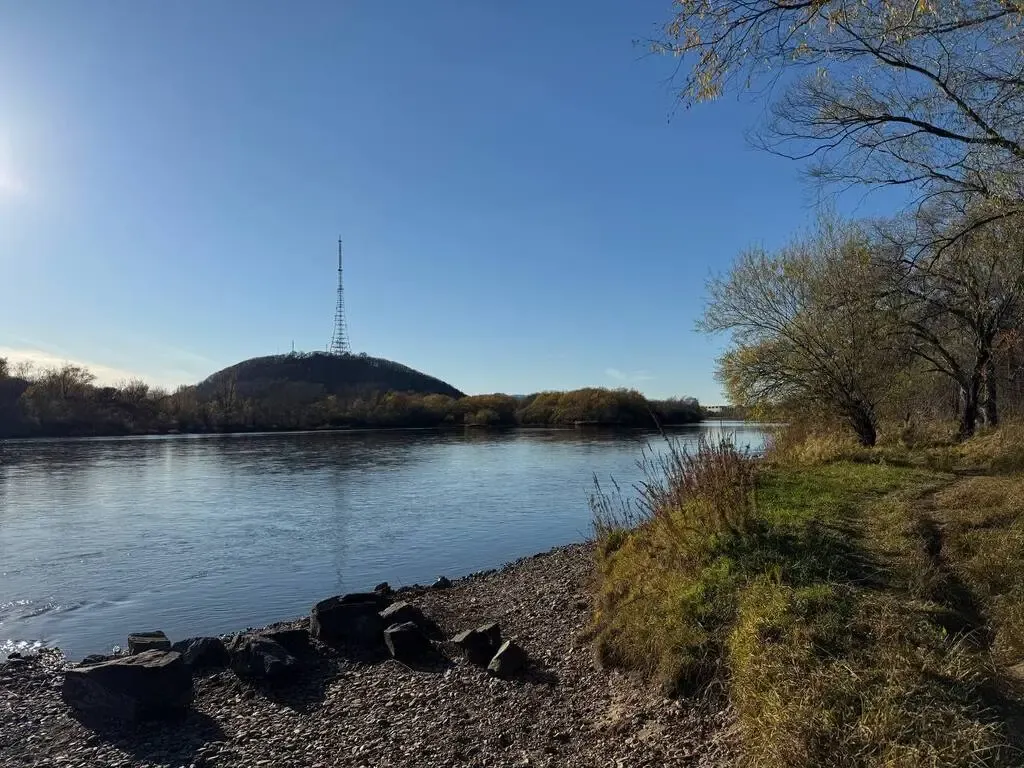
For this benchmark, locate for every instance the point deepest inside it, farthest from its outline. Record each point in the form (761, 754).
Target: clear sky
(521, 209)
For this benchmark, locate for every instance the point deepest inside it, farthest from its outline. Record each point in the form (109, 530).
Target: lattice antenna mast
(339, 342)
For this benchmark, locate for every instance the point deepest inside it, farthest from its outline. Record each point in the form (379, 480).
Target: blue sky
(521, 208)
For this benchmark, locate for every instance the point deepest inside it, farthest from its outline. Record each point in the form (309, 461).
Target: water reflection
(209, 534)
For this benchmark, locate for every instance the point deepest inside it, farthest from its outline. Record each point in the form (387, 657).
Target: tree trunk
(864, 423)
(990, 412)
(969, 396)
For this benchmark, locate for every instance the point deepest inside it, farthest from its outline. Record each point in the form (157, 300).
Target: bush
(666, 585)
(711, 487)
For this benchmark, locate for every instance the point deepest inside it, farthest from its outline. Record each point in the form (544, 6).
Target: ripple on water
(30, 609)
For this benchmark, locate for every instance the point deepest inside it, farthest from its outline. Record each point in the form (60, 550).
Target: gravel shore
(564, 711)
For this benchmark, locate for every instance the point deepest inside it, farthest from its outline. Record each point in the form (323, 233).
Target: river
(211, 534)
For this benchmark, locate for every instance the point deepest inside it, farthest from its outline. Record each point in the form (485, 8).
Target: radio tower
(339, 342)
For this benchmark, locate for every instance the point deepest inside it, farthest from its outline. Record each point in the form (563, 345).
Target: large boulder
(509, 659)
(381, 598)
(148, 685)
(202, 652)
(402, 612)
(255, 657)
(479, 644)
(349, 620)
(407, 643)
(295, 640)
(94, 658)
(140, 642)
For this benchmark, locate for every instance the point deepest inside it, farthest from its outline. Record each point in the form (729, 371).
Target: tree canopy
(884, 92)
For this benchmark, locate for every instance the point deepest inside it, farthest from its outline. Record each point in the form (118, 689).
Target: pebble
(353, 715)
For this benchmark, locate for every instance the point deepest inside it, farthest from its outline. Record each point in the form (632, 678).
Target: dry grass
(830, 676)
(1000, 450)
(802, 445)
(931, 446)
(984, 530)
(899, 541)
(713, 483)
(690, 511)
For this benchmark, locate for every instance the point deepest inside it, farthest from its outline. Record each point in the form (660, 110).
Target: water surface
(211, 534)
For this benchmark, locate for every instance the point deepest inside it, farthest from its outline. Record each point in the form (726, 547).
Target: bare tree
(960, 302)
(133, 390)
(807, 330)
(26, 370)
(66, 382)
(910, 93)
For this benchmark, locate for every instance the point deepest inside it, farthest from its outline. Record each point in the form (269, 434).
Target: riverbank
(857, 607)
(564, 710)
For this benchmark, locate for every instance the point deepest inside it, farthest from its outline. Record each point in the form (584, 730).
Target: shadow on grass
(808, 554)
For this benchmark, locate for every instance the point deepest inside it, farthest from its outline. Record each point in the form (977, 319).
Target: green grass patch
(822, 618)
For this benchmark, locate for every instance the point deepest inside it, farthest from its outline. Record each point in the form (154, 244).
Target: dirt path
(965, 616)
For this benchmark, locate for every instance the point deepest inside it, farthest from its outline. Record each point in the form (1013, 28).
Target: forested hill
(324, 374)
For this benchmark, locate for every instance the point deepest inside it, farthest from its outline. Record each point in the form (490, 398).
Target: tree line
(65, 401)
(915, 316)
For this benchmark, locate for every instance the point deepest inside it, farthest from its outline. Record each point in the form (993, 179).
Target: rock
(479, 644)
(493, 633)
(402, 612)
(380, 598)
(351, 620)
(202, 652)
(255, 657)
(94, 658)
(383, 588)
(295, 640)
(509, 659)
(148, 685)
(14, 655)
(139, 642)
(406, 642)
(443, 582)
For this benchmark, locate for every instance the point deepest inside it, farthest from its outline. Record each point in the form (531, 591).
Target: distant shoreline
(362, 430)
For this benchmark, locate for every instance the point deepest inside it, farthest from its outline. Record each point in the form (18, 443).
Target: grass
(983, 519)
(838, 617)
(999, 451)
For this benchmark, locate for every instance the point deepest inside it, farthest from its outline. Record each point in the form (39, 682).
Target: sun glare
(10, 183)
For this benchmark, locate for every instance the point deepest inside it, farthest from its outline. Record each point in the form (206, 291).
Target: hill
(323, 374)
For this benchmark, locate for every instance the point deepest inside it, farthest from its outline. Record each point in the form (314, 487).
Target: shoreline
(441, 429)
(347, 712)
